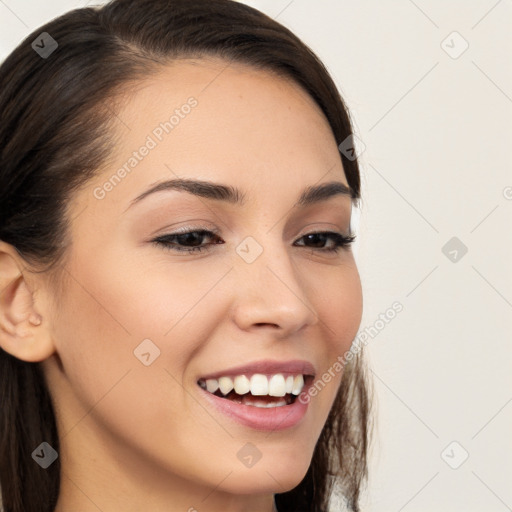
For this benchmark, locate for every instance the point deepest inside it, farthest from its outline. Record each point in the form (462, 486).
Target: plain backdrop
(429, 87)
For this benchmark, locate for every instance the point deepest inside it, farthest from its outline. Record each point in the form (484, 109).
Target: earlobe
(23, 334)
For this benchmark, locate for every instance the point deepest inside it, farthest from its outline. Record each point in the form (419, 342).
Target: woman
(178, 289)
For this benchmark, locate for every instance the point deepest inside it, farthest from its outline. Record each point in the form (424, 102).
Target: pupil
(317, 239)
(190, 238)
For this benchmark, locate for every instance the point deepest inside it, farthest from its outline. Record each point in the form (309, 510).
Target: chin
(274, 476)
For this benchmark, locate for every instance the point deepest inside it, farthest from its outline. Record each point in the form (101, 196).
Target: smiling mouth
(258, 390)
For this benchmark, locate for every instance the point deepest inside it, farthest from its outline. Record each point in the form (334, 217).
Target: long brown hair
(56, 112)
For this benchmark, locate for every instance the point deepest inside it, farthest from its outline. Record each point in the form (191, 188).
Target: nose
(271, 293)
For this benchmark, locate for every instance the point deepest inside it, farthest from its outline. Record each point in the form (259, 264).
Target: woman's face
(141, 325)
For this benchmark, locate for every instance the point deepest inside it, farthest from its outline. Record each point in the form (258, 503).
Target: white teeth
(277, 385)
(212, 385)
(242, 385)
(259, 385)
(298, 384)
(225, 385)
(257, 402)
(289, 384)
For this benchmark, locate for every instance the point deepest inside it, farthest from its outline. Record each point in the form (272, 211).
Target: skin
(136, 437)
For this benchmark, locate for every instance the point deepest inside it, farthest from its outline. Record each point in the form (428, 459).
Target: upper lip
(270, 367)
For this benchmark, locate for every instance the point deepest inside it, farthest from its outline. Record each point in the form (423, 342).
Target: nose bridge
(270, 291)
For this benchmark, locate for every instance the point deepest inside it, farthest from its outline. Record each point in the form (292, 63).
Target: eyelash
(340, 241)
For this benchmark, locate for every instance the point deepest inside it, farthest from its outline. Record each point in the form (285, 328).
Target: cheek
(338, 301)
(339, 304)
(102, 320)
(92, 338)
(112, 305)
(156, 298)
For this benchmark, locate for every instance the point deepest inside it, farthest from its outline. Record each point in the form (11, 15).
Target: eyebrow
(227, 193)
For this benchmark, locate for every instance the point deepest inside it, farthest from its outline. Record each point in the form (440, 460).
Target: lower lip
(260, 418)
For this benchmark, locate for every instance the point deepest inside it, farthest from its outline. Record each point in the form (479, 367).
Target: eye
(187, 241)
(192, 241)
(338, 240)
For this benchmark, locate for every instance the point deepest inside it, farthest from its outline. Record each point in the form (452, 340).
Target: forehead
(213, 78)
(236, 104)
(223, 122)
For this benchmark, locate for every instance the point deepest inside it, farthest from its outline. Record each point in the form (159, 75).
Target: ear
(24, 333)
